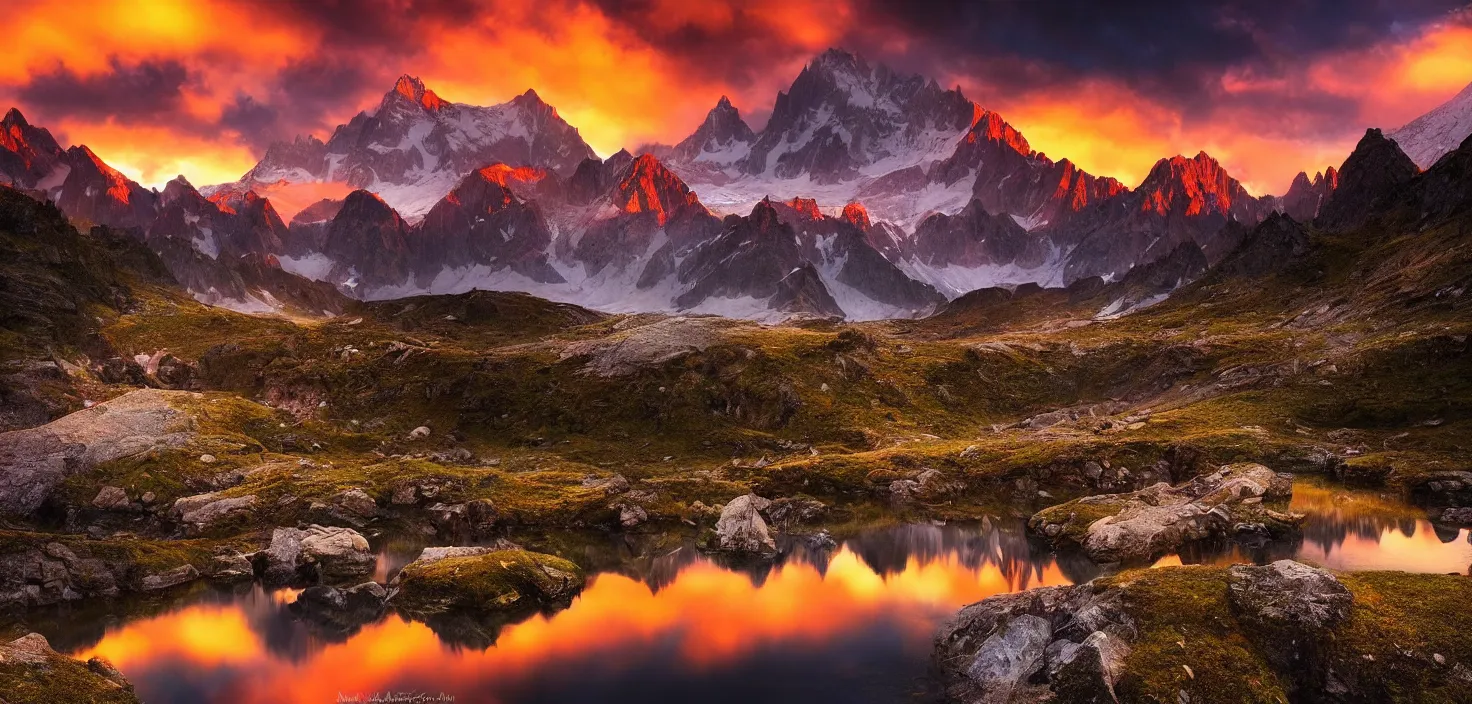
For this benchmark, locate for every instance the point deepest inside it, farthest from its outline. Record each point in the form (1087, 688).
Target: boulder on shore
(1034, 645)
(316, 553)
(201, 512)
(740, 529)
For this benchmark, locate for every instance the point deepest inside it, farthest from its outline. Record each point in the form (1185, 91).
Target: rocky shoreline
(1279, 632)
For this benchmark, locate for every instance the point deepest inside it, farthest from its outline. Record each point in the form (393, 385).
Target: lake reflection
(854, 624)
(662, 622)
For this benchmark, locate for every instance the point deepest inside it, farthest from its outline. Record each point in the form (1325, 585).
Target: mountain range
(868, 194)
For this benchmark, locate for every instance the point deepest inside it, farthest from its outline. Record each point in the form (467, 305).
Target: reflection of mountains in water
(1330, 529)
(1003, 545)
(657, 560)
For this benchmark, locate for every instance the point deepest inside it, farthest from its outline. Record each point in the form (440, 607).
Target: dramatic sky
(1270, 87)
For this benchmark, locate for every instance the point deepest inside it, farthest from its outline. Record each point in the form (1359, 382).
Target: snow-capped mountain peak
(721, 141)
(415, 147)
(1431, 136)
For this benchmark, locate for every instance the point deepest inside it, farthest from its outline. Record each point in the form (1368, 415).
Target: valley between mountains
(752, 352)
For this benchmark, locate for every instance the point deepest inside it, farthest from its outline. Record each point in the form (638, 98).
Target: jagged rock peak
(836, 59)
(857, 215)
(764, 215)
(807, 208)
(989, 126)
(13, 118)
(412, 89)
(533, 102)
(1372, 171)
(365, 202)
(1200, 180)
(724, 121)
(177, 188)
(648, 187)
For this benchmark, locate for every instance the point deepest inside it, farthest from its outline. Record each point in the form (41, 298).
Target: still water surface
(661, 624)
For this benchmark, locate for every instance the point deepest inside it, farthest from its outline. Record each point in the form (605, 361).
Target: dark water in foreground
(669, 625)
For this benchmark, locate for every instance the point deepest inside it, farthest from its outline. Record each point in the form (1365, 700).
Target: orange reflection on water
(708, 615)
(1363, 530)
(208, 636)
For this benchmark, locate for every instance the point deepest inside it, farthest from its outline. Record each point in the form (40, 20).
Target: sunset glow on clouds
(200, 88)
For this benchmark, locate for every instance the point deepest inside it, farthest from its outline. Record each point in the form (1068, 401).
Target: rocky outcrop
(1373, 171)
(316, 553)
(341, 612)
(168, 578)
(32, 672)
(1182, 200)
(1290, 605)
(1287, 623)
(1304, 197)
(741, 529)
(51, 574)
(1143, 525)
(201, 513)
(34, 461)
(476, 581)
(1065, 642)
(350, 507)
(429, 556)
(39, 569)
(649, 345)
(1276, 243)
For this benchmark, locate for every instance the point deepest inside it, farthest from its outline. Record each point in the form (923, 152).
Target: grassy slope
(1350, 349)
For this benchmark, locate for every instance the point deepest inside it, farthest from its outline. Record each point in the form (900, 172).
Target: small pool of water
(665, 623)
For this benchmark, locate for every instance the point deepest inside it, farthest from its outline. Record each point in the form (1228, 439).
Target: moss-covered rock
(500, 580)
(32, 673)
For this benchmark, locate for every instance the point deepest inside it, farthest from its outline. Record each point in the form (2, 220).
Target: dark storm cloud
(394, 26)
(302, 97)
(145, 91)
(1173, 50)
(738, 52)
(1163, 46)
(258, 124)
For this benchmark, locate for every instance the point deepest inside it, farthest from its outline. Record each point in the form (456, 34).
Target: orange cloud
(154, 155)
(85, 35)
